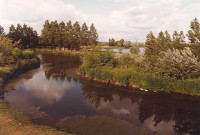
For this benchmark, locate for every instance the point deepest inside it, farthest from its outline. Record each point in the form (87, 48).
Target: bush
(179, 64)
(135, 49)
(17, 53)
(94, 59)
(28, 54)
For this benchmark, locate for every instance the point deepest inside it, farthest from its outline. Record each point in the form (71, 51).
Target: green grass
(13, 122)
(134, 76)
(56, 52)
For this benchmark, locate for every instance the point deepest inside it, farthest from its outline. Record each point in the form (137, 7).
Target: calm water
(126, 50)
(55, 95)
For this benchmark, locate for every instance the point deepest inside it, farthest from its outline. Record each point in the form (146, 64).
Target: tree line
(68, 35)
(53, 34)
(164, 41)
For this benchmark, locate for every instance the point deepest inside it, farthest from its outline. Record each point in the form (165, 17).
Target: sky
(120, 19)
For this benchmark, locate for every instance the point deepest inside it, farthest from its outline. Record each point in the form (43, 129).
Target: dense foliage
(169, 63)
(27, 37)
(69, 35)
(173, 56)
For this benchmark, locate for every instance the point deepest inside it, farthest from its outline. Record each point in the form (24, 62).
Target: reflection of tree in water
(59, 65)
(184, 110)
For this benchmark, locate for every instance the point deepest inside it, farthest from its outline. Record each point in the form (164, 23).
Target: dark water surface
(55, 95)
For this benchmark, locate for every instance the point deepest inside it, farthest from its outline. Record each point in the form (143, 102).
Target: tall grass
(56, 52)
(132, 75)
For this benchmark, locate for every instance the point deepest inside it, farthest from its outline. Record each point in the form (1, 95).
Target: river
(56, 96)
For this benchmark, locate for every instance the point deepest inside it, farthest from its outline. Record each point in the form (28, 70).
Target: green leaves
(26, 35)
(70, 35)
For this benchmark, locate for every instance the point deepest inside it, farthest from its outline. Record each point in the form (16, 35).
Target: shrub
(17, 53)
(135, 49)
(28, 54)
(94, 59)
(179, 64)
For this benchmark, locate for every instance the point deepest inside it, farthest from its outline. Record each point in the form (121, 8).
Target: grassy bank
(126, 72)
(7, 72)
(13, 122)
(137, 78)
(57, 52)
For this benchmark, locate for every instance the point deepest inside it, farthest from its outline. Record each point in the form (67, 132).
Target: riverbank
(129, 71)
(144, 81)
(12, 121)
(57, 52)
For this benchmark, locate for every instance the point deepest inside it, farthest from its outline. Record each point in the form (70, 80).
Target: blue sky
(127, 19)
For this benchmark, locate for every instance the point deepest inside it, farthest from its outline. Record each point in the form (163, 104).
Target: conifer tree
(152, 49)
(44, 35)
(194, 32)
(168, 40)
(84, 35)
(52, 35)
(76, 35)
(1, 30)
(93, 36)
(68, 35)
(179, 40)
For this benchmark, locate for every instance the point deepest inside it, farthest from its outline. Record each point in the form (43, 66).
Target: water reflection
(55, 95)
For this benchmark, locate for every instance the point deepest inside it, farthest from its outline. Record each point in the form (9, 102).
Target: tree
(179, 64)
(93, 36)
(52, 35)
(76, 35)
(84, 35)
(1, 30)
(27, 36)
(59, 35)
(168, 42)
(152, 49)
(178, 40)
(44, 35)
(194, 37)
(6, 48)
(68, 35)
(112, 42)
(121, 42)
(194, 32)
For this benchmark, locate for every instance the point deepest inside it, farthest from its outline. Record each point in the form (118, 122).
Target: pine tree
(93, 36)
(194, 33)
(51, 34)
(84, 35)
(168, 40)
(68, 35)
(194, 37)
(1, 30)
(161, 41)
(179, 40)
(76, 36)
(44, 35)
(152, 49)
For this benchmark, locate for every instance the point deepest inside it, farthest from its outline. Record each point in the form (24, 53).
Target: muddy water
(56, 96)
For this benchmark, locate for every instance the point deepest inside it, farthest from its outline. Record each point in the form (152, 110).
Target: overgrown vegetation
(14, 60)
(168, 64)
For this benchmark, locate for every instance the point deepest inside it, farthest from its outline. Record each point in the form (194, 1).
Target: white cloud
(132, 21)
(35, 12)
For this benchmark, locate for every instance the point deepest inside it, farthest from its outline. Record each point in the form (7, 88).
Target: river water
(56, 96)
